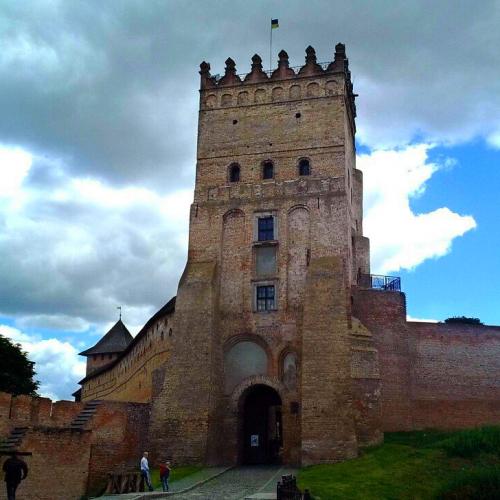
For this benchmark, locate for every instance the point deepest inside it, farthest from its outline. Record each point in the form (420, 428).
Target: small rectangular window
(265, 298)
(266, 228)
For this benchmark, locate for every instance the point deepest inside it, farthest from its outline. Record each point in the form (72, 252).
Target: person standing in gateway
(15, 471)
(145, 470)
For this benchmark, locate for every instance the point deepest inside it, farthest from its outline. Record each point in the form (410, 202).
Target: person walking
(164, 475)
(145, 470)
(15, 470)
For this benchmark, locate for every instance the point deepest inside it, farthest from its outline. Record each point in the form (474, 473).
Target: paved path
(238, 483)
(235, 484)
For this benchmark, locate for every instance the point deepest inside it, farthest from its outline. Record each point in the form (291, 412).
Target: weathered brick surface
(455, 375)
(384, 314)
(328, 431)
(27, 411)
(130, 378)
(65, 462)
(58, 466)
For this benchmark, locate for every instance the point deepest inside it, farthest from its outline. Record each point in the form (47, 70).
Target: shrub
(474, 484)
(470, 443)
(463, 320)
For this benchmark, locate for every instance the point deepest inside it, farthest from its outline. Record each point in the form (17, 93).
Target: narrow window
(234, 173)
(304, 167)
(265, 298)
(267, 170)
(266, 228)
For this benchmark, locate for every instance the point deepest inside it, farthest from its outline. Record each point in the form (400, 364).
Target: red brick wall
(58, 466)
(433, 375)
(455, 375)
(119, 432)
(384, 314)
(27, 411)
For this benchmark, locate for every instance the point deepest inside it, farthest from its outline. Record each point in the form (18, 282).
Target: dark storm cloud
(111, 87)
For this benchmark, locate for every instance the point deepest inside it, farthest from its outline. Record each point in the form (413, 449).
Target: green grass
(411, 465)
(176, 474)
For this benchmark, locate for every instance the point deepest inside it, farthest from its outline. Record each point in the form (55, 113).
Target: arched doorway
(261, 428)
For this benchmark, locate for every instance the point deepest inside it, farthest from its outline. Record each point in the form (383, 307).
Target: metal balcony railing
(379, 282)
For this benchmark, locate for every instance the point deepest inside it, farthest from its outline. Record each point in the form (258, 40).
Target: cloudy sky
(98, 115)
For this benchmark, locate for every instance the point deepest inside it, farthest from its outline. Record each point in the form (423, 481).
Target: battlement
(340, 65)
(30, 411)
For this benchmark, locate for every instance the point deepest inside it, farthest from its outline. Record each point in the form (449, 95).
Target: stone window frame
(262, 214)
(259, 283)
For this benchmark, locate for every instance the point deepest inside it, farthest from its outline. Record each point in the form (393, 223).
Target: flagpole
(270, 45)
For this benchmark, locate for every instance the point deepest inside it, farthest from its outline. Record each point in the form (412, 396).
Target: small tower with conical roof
(108, 348)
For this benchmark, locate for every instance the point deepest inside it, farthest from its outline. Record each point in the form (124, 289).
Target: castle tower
(108, 348)
(268, 363)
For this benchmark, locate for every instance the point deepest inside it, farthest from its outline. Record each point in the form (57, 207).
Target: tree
(17, 372)
(463, 320)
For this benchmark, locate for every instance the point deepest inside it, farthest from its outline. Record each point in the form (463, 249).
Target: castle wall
(119, 437)
(58, 466)
(455, 375)
(130, 378)
(66, 463)
(384, 314)
(27, 411)
(434, 375)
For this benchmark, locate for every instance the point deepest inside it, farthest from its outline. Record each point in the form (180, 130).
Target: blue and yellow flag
(274, 24)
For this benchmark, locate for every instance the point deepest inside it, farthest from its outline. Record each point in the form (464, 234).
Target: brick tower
(268, 363)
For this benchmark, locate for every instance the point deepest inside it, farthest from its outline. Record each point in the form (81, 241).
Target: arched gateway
(260, 425)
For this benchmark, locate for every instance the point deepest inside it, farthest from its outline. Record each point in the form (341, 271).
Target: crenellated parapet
(312, 80)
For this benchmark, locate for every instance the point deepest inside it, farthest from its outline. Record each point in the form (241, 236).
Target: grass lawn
(413, 465)
(176, 474)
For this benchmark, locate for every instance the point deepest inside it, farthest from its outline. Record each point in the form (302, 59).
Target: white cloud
(15, 164)
(57, 364)
(74, 248)
(421, 320)
(401, 239)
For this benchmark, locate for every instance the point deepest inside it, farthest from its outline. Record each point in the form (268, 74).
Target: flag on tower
(274, 24)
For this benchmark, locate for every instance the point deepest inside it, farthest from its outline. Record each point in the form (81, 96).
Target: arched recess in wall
(242, 360)
(298, 233)
(312, 90)
(289, 369)
(234, 253)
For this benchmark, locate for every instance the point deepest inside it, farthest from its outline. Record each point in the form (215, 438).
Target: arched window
(267, 170)
(234, 173)
(304, 167)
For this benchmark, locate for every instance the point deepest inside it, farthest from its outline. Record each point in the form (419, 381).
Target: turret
(108, 348)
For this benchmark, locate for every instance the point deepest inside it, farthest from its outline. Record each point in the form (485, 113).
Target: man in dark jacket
(15, 471)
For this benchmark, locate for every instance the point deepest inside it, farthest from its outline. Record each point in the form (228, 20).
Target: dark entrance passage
(262, 430)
